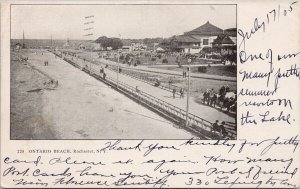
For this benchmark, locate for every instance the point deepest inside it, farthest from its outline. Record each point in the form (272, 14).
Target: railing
(145, 77)
(152, 101)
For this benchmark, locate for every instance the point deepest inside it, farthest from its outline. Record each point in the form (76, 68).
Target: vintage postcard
(150, 94)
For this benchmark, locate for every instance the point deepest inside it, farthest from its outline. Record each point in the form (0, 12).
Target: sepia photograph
(150, 94)
(123, 71)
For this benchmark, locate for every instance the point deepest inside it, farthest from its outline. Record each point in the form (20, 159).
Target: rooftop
(206, 29)
(232, 32)
(186, 39)
(223, 39)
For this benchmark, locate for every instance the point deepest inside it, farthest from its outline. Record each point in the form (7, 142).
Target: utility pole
(51, 43)
(118, 70)
(118, 65)
(188, 94)
(23, 41)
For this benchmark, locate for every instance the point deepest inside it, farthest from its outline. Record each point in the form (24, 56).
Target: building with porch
(194, 41)
(185, 44)
(205, 34)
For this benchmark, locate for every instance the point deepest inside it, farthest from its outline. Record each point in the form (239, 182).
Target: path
(94, 56)
(205, 112)
(84, 108)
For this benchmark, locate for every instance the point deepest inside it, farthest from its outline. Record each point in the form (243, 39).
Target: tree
(105, 42)
(116, 43)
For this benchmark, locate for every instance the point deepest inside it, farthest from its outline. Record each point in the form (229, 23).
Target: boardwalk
(205, 112)
(84, 108)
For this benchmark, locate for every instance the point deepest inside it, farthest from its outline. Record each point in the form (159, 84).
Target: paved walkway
(94, 56)
(84, 108)
(203, 111)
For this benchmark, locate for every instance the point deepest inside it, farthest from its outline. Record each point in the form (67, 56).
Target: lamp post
(188, 94)
(118, 71)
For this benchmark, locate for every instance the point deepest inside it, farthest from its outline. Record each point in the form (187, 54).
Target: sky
(123, 21)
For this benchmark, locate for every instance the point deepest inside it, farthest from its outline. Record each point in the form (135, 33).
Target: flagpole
(187, 96)
(23, 41)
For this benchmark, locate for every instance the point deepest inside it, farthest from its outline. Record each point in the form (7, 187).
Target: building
(90, 46)
(223, 40)
(225, 47)
(232, 33)
(159, 49)
(185, 44)
(138, 46)
(202, 37)
(205, 34)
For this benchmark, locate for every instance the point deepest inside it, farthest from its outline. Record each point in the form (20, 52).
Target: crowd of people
(223, 98)
(51, 83)
(181, 92)
(138, 57)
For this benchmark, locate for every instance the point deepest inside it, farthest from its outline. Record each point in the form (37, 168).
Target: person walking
(181, 92)
(104, 75)
(211, 95)
(184, 74)
(213, 100)
(174, 91)
(208, 96)
(170, 82)
(215, 126)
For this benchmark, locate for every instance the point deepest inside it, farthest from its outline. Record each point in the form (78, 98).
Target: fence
(150, 79)
(199, 125)
(144, 77)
